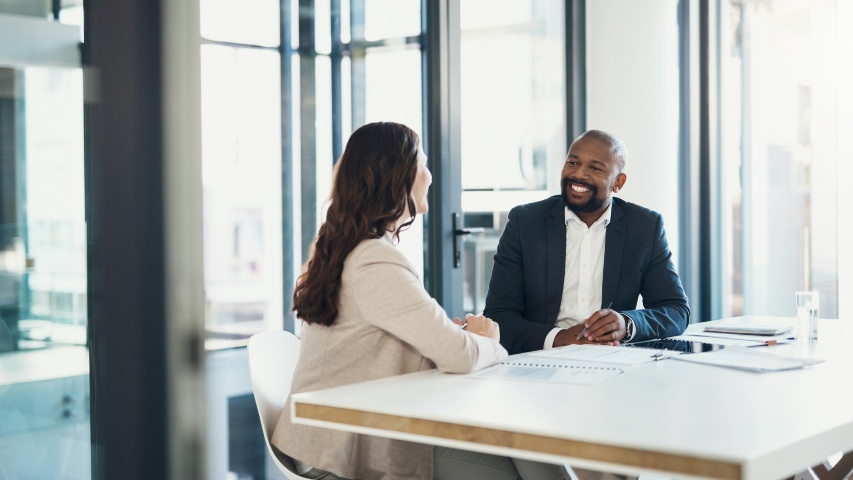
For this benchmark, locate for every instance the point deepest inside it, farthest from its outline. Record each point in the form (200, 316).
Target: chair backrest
(272, 360)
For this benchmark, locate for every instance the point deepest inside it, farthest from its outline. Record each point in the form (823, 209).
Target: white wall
(632, 92)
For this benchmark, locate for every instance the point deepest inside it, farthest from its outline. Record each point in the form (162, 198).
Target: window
(241, 103)
(241, 168)
(43, 242)
(366, 67)
(780, 155)
(513, 120)
(44, 356)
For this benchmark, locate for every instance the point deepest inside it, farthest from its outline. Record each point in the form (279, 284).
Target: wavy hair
(371, 191)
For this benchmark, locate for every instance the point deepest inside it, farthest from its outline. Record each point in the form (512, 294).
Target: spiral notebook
(549, 370)
(621, 356)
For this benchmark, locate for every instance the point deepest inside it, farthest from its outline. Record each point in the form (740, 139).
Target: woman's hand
(480, 325)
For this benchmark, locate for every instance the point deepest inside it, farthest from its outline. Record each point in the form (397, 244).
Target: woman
(367, 314)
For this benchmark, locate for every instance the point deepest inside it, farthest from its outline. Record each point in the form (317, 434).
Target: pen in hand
(584, 328)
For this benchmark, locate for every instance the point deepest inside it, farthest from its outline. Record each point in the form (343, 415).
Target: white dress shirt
(584, 272)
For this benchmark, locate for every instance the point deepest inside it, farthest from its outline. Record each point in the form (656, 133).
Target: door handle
(458, 232)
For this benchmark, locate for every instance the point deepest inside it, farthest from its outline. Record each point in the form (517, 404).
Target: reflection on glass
(253, 22)
(42, 239)
(44, 361)
(241, 174)
(513, 125)
(391, 19)
(56, 240)
(779, 156)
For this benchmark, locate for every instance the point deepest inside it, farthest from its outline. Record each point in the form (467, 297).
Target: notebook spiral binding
(560, 365)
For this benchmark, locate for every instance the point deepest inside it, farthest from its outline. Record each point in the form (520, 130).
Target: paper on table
(744, 358)
(623, 356)
(548, 370)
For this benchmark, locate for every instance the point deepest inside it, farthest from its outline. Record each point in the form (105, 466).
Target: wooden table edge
(646, 459)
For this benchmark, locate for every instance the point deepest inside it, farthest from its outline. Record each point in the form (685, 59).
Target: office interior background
(164, 166)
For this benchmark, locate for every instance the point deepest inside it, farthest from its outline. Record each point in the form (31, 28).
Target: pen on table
(584, 328)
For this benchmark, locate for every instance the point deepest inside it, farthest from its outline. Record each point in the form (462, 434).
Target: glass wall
(44, 359)
(242, 209)
(273, 112)
(384, 75)
(779, 154)
(513, 120)
(241, 168)
(267, 160)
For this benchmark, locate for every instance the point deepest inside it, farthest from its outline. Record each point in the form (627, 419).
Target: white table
(671, 417)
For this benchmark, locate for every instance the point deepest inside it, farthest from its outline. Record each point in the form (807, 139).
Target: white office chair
(272, 359)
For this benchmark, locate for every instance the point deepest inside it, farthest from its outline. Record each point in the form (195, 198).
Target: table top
(668, 416)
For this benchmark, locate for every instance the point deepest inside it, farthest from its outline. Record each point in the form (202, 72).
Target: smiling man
(572, 268)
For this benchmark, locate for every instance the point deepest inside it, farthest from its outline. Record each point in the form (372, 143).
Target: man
(570, 269)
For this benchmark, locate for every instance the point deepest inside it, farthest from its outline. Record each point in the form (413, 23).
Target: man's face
(590, 176)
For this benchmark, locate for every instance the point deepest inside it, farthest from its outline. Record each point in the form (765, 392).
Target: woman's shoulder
(377, 251)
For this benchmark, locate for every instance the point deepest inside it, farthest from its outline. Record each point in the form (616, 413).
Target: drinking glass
(807, 313)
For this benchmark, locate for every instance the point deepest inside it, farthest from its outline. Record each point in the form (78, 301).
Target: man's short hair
(617, 148)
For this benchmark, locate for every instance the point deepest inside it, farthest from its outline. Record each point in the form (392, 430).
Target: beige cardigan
(387, 325)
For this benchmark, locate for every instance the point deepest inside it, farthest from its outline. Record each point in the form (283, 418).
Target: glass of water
(807, 313)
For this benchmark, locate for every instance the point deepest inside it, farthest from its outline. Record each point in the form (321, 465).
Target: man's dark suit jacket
(526, 287)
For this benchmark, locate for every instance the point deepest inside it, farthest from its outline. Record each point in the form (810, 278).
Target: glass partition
(44, 357)
(392, 91)
(250, 22)
(779, 155)
(241, 177)
(513, 120)
(391, 19)
(241, 135)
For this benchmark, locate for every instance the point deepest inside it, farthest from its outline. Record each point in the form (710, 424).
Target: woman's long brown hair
(371, 190)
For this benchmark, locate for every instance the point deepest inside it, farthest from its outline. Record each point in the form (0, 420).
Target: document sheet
(622, 356)
(548, 370)
(744, 358)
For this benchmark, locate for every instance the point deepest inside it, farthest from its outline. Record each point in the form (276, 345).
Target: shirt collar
(603, 220)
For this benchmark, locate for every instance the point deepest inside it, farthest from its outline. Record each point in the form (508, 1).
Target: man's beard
(594, 203)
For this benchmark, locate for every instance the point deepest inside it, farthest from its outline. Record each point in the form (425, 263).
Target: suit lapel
(556, 260)
(614, 246)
